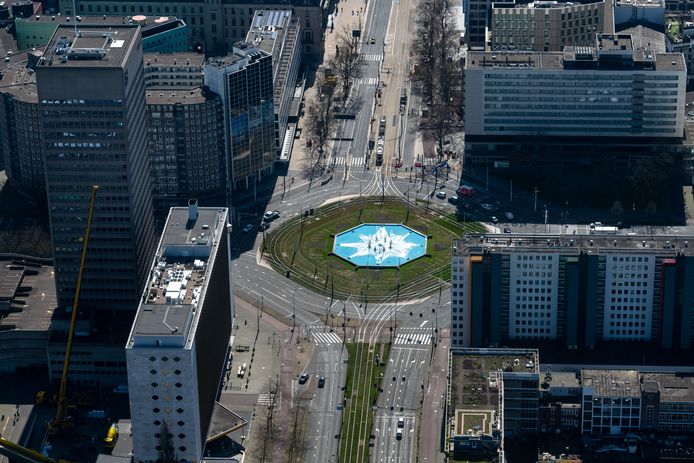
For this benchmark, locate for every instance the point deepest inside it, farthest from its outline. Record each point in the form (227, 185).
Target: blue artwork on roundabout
(380, 245)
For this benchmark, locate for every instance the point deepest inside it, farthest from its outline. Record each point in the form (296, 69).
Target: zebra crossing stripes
(339, 161)
(358, 160)
(413, 339)
(267, 399)
(373, 56)
(367, 81)
(326, 338)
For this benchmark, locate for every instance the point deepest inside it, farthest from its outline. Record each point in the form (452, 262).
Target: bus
(603, 230)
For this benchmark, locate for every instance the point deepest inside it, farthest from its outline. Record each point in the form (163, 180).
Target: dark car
(303, 378)
(264, 226)
(507, 230)
(321, 381)
(453, 199)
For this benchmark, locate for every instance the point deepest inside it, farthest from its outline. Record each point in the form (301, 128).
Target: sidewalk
(346, 15)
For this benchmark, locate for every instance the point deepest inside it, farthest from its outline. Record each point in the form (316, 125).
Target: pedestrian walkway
(413, 338)
(372, 56)
(267, 399)
(326, 338)
(366, 81)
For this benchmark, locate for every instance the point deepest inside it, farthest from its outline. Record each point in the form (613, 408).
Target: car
(398, 434)
(373, 40)
(121, 389)
(507, 230)
(441, 194)
(303, 378)
(418, 164)
(268, 216)
(248, 227)
(595, 224)
(264, 226)
(467, 206)
(276, 214)
(494, 219)
(397, 164)
(487, 207)
(401, 422)
(321, 381)
(453, 200)
(508, 215)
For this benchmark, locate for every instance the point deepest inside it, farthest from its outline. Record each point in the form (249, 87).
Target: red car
(397, 165)
(418, 164)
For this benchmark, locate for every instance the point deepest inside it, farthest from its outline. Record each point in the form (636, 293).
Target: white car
(487, 207)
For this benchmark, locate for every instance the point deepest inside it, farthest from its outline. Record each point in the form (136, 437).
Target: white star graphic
(382, 245)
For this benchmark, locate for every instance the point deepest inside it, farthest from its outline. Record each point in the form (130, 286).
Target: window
(178, 385)
(181, 436)
(181, 423)
(155, 397)
(152, 359)
(165, 359)
(178, 372)
(179, 410)
(182, 448)
(157, 422)
(154, 384)
(155, 410)
(177, 359)
(154, 372)
(179, 397)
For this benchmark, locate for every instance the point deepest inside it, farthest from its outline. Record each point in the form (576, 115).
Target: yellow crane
(61, 422)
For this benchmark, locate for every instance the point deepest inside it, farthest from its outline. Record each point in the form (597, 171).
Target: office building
(186, 144)
(667, 402)
(277, 32)
(611, 402)
(545, 26)
(243, 79)
(170, 70)
(159, 35)
(91, 97)
(649, 13)
(578, 291)
(606, 104)
(498, 388)
(20, 125)
(218, 24)
(179, 342)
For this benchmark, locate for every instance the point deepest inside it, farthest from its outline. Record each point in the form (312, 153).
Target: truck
(111, 436)
(466, 190)
(603, 230)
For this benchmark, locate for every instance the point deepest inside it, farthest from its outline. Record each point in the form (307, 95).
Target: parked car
(487, 207)
(303, 378)
(453, 200)
(264, 226)
(507, 230)
(494, 219)
(248, 227)
(275, 214)
(441, 194)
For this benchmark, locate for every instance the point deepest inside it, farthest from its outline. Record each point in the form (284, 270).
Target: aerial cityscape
(348, 231)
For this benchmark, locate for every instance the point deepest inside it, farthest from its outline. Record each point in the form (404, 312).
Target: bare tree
(347, 62)
(320, 123)
(267, 432)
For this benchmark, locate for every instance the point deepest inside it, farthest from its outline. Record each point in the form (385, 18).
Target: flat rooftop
(614, 42)
(673, 387)
(641, 3)
(644, 37)
(27, 294)
(242, 51)
(178, 278)
(665, 245)
(17, 79)
(94, 46)
(266, 27)
(565, 379)
(537, 4)
(181, 59)
(473, 370)
(178, 95)
(612, 383)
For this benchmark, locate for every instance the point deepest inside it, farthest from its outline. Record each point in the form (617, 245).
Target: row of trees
(334, 82)
(438, 67)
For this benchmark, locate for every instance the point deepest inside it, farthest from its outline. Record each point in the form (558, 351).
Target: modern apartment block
(545, 26)
(585, 104)
(611, 402)
(90, 85)
(180, 338)
(215, 25)
(278, 33)
(243, 79)
(575, 290)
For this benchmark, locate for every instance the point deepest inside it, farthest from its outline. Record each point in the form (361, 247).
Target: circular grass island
(370, 264)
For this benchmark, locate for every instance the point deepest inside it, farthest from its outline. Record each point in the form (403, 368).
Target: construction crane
(18, 453)
(61, 422)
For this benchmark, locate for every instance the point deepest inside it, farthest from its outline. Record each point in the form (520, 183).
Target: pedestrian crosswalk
(413, 338)
(367, 81)
(326, 338)
(356, 163)
(358, 160)
(373, 56)
(267, 399)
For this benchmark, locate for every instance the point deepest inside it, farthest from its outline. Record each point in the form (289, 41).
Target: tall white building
(607, 90)
(180, 338)
(533, 295)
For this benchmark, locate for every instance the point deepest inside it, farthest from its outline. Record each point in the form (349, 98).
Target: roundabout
(367, 249)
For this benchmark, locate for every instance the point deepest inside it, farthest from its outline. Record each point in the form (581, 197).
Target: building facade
(279, 33)
(90, 93)
(181, 335)
(218, 24)
(243, 80)
(587, 104)
(173, 70)
(576, 290)
(668, 403)
(545, 26)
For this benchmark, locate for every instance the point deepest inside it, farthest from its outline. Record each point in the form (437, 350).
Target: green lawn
(361, 394)
(303, 248)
